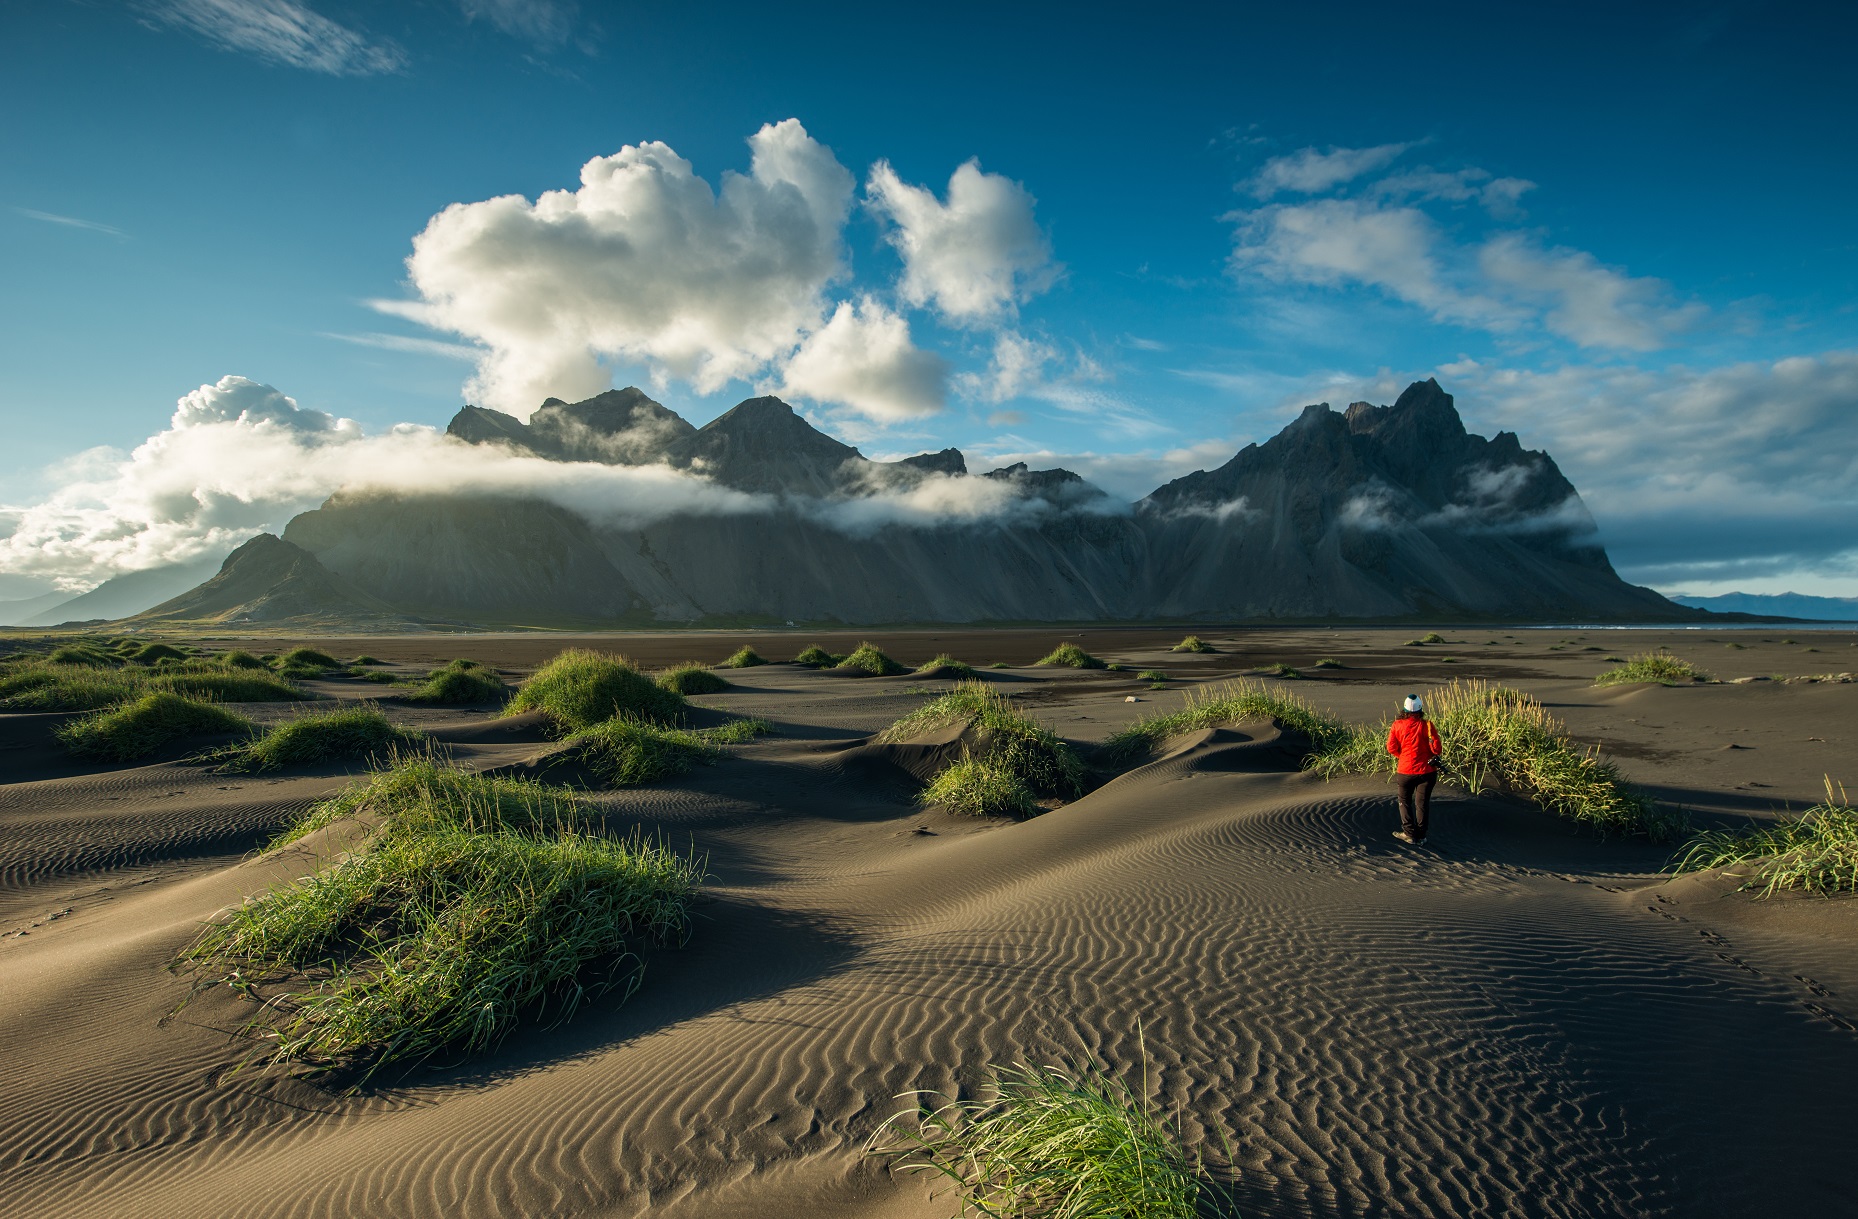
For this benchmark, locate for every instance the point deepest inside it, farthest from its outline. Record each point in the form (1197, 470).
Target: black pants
(1415, 802)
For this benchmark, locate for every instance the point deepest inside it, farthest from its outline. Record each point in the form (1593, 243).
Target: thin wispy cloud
(279, 31)
(400, 342)
(70, 221)
(546, 23)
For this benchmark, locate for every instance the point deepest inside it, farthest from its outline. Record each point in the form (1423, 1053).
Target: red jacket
(1416, 743)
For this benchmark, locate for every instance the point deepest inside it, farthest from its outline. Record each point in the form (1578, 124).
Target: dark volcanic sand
(1518, 1020)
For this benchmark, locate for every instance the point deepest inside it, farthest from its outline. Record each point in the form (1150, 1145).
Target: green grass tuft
(999, 664)
(818, 657)
(1231, 702)
(945, 666)
(1006, 743)
(1660, 667)
(1049, 1141)
(368, 660)
(461, 683)
(349, 732)
(580, 688)
(83, 655)
(1281, 670)
(626, 752)
(978, 788)
(1816, 852)
(743, 657)
(138, 729)
(1502, 736)
(477, 902)
(1152, 675)
(870, 659)
(1070, 656)
(154, 653)
(238, 658)
(691, 678)
(38, 685)
(1193, 643)
(1328, 662)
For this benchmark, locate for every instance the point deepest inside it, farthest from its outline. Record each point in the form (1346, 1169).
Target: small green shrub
(945, 666)
(626, 752)
(138, 729)
(868, 658)
(1423, 640)
(1047, 1141)
(817, 657)
(743, 657)
(1660, 667)
(691, 678)
(1816, 852)
(1152, 675)
(1071, 656)
(238, 658)
(975, 788)
(580, 688)
(1193, 643)
(1005, 741)
(349, 732)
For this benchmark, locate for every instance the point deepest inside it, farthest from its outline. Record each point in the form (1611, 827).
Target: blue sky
(1624, 232)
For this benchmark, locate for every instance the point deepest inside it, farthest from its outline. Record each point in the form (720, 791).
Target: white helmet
(1415, 703)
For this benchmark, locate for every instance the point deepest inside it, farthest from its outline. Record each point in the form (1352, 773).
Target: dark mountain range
(1381, 512)
(268, 580)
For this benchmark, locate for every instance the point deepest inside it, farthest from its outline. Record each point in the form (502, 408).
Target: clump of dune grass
(579, 688)
(1660, 667)
(143, 727)
(83, 654)
(1051, 1141)
(461, 683)
(691, 678)
(1230, 702)
(1193, 643)
(1009, 751)
(1423, 640)
(1281, 670)
(999, 664)
(1070, 656)
(379, 677)
(626, 751)
(348, 732)
(817, 657)
(40, 685)
(743, 657)
(1328, 662)
(477, 902)
(945, 665)
(239, 658)
(367, 660)
(1152, 675)
(153, 653)
(870, 659)
(1501, 736)
(1816, 852)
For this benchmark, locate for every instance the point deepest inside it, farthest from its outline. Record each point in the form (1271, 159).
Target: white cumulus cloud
(1592, 304)
(644, 262)
(1309, 171)
(283, 32)
(974, 258)
(863, 358)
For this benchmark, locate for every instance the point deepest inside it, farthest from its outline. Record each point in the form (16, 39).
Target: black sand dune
(1518, 1020)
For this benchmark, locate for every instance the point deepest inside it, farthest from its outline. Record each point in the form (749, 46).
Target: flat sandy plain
(1518, 1019)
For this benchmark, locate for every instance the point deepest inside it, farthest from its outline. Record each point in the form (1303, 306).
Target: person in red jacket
(1415, 744)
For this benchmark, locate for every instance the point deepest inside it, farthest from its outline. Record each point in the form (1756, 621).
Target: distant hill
(268, 580)
(130, 593)
(1778, 605)
(27, 608)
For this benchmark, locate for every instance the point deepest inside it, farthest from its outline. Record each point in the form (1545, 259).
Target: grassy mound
(869, 658)
(1193, 643)
(153, 653)
(40, 685)
(1496, 734)
(817, 656)
(141, 728)
(239, 658)
(368, 660)
(307, 658)
(1816, 852)
(1281, 670)
(1328, 662)
(1152, 675)
(691, 678)
(744, 657)
(580, 688)
(1228, 703)
(1047, 1141)
(1012, 754)
(626, 752)
(460, 683)
(83, 654)
(1070, 656)
(478, 902)
(1660, 667)
(351, 732)
(945, 666)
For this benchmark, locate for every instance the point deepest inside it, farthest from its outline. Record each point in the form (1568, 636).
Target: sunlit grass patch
(945, 665)
(460, 683)
(1503, 736)
(1152, 675)
(144, 726)
(743, 657)
(817, 657)
(580, 688)
(1070, 656)
(1423, 640)
(691, 678)
(349, 732)
(39, 685)
(1816, 852)
(1328, 662)
(1660, 667)
(83, 654)
(1051, 1141)
(154, 653)
(869, 658)
(477, 902)
(1227, 703)
(1009, 750)
(239, 658)
(1281, 670)
(627, 752)
(979, 788)
(1193, 643)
